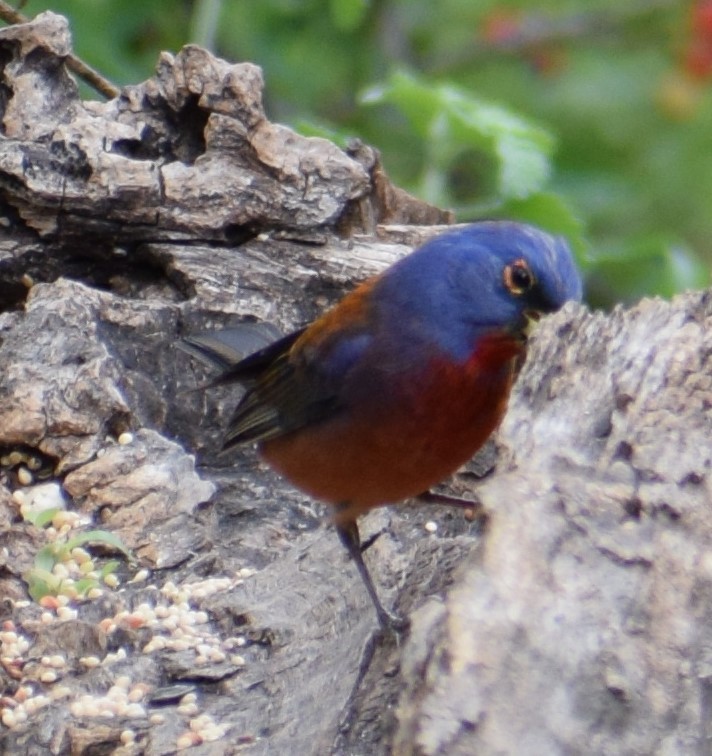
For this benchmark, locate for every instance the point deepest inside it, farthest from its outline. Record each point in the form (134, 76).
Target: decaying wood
(579, 615)
(189, 154)
(85, 72)
(584, 618)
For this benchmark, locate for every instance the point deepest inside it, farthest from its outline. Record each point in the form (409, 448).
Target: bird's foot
(391, 623)
(472, 508)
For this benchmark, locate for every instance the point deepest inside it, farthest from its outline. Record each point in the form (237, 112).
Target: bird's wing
(293, 383)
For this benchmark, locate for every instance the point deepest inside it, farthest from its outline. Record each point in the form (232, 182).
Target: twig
(85, 72)
(92, 77)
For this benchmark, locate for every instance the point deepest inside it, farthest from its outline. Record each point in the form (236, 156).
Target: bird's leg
(350, 537)
(473, 508)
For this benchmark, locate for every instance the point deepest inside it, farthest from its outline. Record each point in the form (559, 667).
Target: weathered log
(578, 616)
(583, 620)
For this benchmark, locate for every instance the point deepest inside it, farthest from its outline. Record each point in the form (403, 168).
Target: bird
(396, 386)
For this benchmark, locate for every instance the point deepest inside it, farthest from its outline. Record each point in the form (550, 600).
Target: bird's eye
(518, 277)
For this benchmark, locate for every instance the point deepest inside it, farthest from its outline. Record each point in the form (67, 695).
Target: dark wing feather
(285, 390)
(293, 382)
(256, 365)
(280, 401)
(299, 385)
(225, 348)
(286, 394)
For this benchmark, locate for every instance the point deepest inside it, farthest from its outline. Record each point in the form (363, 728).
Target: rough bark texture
(583, 623)
(576, 621)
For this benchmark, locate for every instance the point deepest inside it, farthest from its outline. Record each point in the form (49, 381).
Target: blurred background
(588, 117)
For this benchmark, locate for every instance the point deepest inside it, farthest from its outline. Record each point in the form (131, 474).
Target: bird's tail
(225, 348)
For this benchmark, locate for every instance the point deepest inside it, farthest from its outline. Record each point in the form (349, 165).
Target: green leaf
(523, 170)
(46, 558)
(41, 582)
(38, 589)
(646, 266)
(348, 15)
(452, 120)
(313, 128)
(44, 517)
(98, 536)
(687, 271)
(85, 584)
(109, 567)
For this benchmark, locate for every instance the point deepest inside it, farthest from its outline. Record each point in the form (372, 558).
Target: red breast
(431, 424)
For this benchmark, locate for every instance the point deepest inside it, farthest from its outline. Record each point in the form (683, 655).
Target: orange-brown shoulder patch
(351, 312)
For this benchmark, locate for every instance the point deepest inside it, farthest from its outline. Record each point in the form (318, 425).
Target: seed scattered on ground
(140, 577)
(24, 476)
(127, 737)
(111, 580)
(172, 621)
(66, 613)
(188, 740)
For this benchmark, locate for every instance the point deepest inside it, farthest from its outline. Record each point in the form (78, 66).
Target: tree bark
(582, 622)
(576, 620)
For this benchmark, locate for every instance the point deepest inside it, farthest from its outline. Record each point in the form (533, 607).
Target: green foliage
(348, 15)
(453, 125)
(451, 121)
(41, 518)
(41, 579)
(646, 265)
(590, 117)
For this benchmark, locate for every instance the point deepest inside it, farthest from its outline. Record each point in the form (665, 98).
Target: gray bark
(582, 624)
(575, 621)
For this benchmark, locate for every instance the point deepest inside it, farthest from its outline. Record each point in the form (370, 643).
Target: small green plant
(63, 567)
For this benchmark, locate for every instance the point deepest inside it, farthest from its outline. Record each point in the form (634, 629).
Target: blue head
(489, 276)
